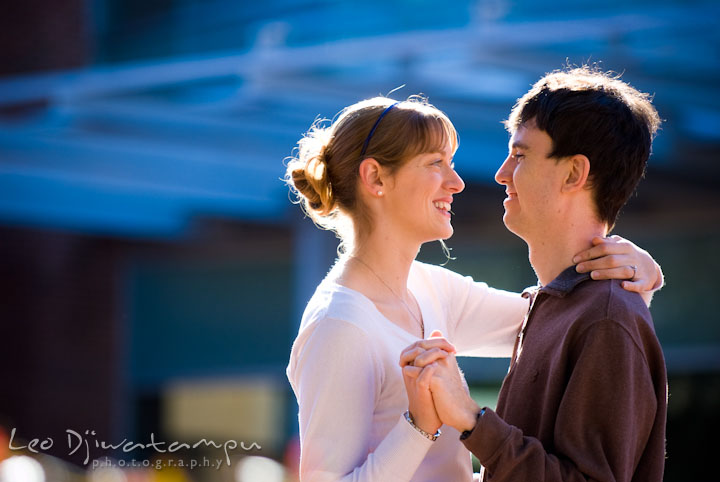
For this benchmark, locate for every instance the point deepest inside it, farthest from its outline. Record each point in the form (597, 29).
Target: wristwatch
(410, 420)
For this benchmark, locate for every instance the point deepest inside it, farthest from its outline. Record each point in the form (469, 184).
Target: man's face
(532, 182)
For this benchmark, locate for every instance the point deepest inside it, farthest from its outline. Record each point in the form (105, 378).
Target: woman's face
(419, 195)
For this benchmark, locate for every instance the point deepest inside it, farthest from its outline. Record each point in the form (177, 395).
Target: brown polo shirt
(586, 394)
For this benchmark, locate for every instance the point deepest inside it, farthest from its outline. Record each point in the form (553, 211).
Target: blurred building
(154, 268)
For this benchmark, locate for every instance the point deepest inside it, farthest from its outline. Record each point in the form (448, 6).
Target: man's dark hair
(589, 112)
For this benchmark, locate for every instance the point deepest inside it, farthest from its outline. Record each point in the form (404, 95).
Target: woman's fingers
(409, 354)
(414, 350)
(623, 272)
(420, 358)
(441, 343)
(601, 247)
(429, 356)
(635, 286)
(425, 376)
(606, 262)
(411, 371)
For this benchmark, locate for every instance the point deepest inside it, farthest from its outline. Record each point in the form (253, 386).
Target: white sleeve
(482, 321)
(338, 379)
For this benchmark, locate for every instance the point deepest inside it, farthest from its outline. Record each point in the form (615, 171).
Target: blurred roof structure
(142, 148)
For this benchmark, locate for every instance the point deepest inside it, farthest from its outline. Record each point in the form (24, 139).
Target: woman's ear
(371, 177)
(578, 171)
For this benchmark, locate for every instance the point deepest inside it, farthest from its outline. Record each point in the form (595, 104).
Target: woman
(382, 177)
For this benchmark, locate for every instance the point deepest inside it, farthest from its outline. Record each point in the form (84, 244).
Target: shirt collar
(562, 285)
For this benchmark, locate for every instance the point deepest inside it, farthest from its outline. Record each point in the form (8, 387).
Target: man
(585, 397)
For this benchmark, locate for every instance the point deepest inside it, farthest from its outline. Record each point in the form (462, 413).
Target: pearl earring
(380, 193)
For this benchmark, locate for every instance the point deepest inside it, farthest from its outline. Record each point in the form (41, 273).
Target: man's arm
(601, 428)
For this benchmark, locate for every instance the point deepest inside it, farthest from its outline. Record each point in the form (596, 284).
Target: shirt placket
(521, 336)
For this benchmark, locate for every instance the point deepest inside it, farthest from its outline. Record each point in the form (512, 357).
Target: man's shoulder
(608, 302)
(609, 298)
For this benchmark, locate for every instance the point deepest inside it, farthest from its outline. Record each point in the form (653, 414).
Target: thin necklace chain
(420, 321)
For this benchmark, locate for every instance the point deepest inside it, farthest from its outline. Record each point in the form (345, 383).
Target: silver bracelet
(428, 436)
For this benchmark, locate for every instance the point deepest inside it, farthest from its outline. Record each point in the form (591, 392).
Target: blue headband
(372, 131)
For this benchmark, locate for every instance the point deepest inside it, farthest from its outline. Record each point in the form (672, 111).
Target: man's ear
(371, 177)
(578, 171)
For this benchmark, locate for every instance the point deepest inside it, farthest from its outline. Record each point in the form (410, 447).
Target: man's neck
(552, 253)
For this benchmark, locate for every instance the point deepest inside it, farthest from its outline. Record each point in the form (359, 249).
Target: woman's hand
(617, 258)
(420, 402)
(417, 384)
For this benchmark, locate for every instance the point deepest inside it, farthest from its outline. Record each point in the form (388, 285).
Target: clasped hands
(436, 389)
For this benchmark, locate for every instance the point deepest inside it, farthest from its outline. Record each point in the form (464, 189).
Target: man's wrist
(466, 433)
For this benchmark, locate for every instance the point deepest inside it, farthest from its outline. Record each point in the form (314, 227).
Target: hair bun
(309, 176)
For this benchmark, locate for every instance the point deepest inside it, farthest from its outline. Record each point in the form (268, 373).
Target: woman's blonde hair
(324, 174)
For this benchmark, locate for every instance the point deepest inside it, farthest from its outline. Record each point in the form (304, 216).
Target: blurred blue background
(154, 269)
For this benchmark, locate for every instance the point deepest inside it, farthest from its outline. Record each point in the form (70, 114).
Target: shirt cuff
(488, 435)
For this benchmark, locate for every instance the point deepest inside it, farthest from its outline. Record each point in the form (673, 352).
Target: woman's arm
(481, 321)
(337, 379)
(484, 321)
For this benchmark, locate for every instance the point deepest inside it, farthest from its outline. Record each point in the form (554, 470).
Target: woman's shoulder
(336, 314)
(335, 324)
(332, 301)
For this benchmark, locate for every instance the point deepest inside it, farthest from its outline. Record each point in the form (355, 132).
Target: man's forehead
(528, 137)
(518, 140)
(516, 143)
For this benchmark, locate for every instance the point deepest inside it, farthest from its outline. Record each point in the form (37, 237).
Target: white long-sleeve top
(344, 370)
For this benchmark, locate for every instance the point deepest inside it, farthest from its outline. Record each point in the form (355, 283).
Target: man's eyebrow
(519, 145)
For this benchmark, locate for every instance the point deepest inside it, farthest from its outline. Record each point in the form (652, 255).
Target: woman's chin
(440, 235)
(447, 234)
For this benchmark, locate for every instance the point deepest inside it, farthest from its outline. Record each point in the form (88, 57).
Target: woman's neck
(379, 267)
(380, 271)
